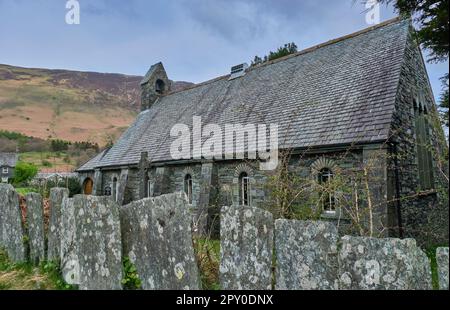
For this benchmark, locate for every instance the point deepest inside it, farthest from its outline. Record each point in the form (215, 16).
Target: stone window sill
(330, 215)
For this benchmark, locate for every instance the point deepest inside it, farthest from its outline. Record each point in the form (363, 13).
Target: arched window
(188, 187)
(160, 86)
(244, 189)
(423, 146)
(115, 187)
(327, 193)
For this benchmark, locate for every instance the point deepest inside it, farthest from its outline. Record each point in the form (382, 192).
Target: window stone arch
(240, 170)
(323, 163)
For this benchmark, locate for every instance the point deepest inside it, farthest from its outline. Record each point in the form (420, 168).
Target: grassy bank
(25, 276)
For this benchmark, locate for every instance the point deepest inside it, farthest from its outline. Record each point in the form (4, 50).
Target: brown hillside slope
(69, 105)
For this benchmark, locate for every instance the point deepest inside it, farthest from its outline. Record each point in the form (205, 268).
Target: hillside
(69, 105)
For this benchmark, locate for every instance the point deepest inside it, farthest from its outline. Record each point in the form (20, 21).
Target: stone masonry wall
(425, 214)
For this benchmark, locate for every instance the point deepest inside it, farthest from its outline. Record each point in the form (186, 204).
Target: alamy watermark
(234, 141)
(73, 13)
(373, 12)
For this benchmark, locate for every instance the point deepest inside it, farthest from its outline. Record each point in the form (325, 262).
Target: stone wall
(424, 214)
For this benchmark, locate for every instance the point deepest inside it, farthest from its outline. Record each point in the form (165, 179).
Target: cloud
(196, 39)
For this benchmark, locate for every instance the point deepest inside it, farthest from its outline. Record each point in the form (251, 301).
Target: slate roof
(8, 159)
(339, 92)
(94, 162)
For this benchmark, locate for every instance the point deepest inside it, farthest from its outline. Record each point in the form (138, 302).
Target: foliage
(207, 251)
(24, 172)
(46, 163)
(25, 190)
(71, 184)
(431, 253)
(130, 279)
(431, 17)
(59, 145)
(287, 49)
(13, 135)
(443, 104)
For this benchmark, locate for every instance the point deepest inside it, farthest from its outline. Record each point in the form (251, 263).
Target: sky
(195, 39)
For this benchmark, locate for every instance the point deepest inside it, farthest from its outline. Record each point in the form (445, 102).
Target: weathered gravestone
(98, 242)
(306, 255)
(383, 264)
(11, 228)
(442, 262)
(35, 224)
(70, 267)
(54, 236)
(156, 234)
(246, 244)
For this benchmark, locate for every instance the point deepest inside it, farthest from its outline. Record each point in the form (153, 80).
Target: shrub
(24, 173)
(130, 279)
(46, 163)
(71, 184)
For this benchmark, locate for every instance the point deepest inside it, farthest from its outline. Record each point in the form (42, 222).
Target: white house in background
(8, 163)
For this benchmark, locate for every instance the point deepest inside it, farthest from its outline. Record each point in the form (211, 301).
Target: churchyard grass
(25, 276)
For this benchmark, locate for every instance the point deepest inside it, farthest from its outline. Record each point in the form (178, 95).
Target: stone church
(362, 98)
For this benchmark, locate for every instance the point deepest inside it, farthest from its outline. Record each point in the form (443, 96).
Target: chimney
(238, 71)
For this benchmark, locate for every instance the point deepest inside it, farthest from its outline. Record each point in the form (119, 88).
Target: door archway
(88, 186)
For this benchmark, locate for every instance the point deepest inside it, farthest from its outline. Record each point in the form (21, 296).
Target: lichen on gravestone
(157, 239)
(54, 235)
(306, 253)
(246, 245)
(443, 266)
(35, 225)
(98, 242)
(383, 264)
(69, 251)
(12, 237)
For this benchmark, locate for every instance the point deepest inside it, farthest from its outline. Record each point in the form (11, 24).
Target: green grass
(25, 276)
(54, 160)
(25, 190)
(431, 253)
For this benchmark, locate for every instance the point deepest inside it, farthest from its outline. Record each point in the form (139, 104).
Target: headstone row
(85, 237)
(311, 256)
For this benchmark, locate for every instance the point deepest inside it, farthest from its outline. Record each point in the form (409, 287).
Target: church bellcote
(154, 85)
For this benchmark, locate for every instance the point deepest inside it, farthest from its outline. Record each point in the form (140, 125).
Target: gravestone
(157, 239)
(11, 228)
(306, 253)
(442, 262)
(54, 236)
(70, 267)
(35, 223)
(246, 244)
(98, 242)
(383, 264)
